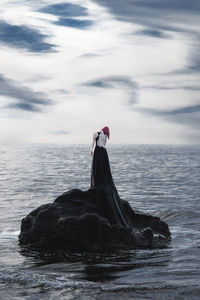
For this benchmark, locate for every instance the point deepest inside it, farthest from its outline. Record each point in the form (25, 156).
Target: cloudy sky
(69, 68)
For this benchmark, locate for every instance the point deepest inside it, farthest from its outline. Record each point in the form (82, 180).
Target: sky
(69, 68)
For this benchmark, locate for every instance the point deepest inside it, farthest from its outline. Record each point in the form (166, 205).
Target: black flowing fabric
(101, 179)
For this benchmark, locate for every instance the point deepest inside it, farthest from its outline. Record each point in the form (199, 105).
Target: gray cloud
(75, 23)
(68, 13)
(65, 10)
(61, 132)
(24, 37)
(60, 91)
(182, 110)
(152, 33)
(158, 18)
(23, 106)
(193, 60)
(187, 115)
(116, 82)
(194, 66)
(177, 86)
(89, 55)
(153, 13)
(26, 99)
(38, 78)
(100, 83)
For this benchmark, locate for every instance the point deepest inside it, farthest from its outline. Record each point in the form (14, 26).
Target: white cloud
(109, 48)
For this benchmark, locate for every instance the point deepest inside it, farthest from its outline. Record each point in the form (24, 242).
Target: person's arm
(95, 135)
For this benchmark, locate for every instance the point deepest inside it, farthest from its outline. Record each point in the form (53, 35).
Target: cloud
(158, 18)
(154, 12)
(61, 132)
(65, 10)
(89, 55)
(68, 13)
(177, 86)
(100, 83)
(187, 115)
(152, 33)
(116, 82)
(183, 110)
(60, 91)
(21, 36)
(26, 99)
(23, 106)
(38, 78)
(75, 23)
(193, 61)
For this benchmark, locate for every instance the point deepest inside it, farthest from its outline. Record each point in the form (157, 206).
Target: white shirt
(101, 142)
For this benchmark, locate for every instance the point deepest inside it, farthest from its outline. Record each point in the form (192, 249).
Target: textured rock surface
(80, 220)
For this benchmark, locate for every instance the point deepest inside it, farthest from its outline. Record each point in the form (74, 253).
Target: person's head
(106, 131)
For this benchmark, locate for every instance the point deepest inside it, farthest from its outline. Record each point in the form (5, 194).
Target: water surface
(159, 179)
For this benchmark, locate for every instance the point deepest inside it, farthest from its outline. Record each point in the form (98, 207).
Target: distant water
(159, 179)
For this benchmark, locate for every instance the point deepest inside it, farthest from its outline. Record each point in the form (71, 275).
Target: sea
(162, 180)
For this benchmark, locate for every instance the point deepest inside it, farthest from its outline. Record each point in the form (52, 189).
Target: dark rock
(80, 220)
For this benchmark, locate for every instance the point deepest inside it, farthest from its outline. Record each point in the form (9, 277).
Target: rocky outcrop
(80, 220)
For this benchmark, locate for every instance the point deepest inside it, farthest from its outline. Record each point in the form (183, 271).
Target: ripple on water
(158, 179)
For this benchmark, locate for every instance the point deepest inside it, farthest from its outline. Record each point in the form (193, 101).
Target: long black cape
(102, 181)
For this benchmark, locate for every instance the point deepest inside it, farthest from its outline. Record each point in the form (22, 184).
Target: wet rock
(81, 220)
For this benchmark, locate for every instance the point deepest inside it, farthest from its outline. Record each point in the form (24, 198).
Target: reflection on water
(97, 266)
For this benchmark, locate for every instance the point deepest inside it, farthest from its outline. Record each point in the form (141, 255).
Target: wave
(53, 280)
(169, 215)
(32, 279)
(9, 233)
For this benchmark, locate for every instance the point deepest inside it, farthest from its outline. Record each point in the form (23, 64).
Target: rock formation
(80, 220)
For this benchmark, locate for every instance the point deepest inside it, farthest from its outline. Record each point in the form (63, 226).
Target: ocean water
(159, 179)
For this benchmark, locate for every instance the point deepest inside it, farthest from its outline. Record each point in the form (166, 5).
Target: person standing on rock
(100, 164)
(101, 178)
